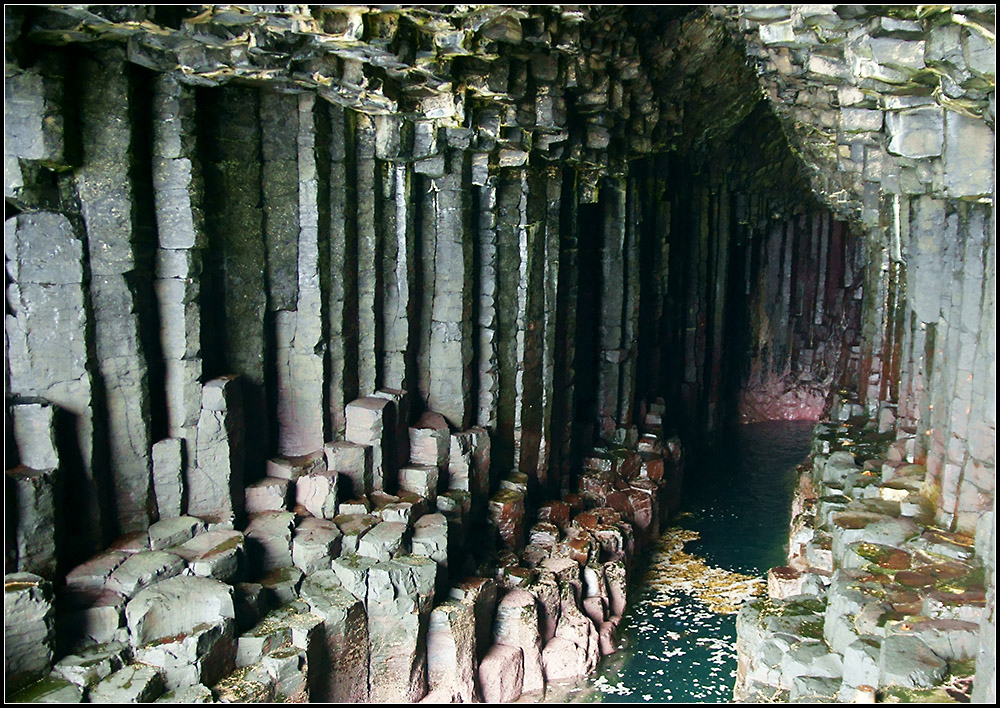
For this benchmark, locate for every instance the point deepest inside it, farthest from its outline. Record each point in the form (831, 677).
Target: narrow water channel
(678, 637)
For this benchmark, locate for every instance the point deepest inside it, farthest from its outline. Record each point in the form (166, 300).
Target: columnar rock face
(367, 277)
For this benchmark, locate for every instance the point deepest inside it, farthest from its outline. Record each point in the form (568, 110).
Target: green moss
(974, 579)
(963, 667)
(899, 694)
(35, 692)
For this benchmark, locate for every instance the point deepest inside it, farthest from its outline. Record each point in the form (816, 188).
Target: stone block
(136, 683)
(968, 156)
(317, 493)
(917, 132)
(371, 421)
(352, 461)
(430, 441)
(28, 629)
(421, 480)
(34, 435)
(249, 684)
(342, 675)
(214, 482)
(198, 693)
(214, 554)
(291, 468)
(281, 585)
(385, 540)
(506, 514)
(353, 527)
(501, 674)
(451, 652)
(516, 624)
(143, 569)
(173, 531)
(92, 616)
(177, 606)
(906, 661)
(267, 494)
(31, 496)
(269, 540)
(203, 655)
(315, 544)
(168, 476)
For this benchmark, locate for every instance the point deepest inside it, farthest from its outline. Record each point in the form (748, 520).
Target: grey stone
(31, 495)
(814, 689)
(916, 133)
(370, 421)
(317, 494)
(343, 677)
(168, 476)
(214, 554)
(173, 531)
(198, 693)
(269, 540)
(34, 435)
(202, 655)
(968, 147)
(315, 544)
(267, 494)
(421, 480)
(353, 462)
(28, 629)
(51, 689)
(177, 606)
(384, 541)
(214, 483)
(451, 652)
(810, 658)
(135, 683)
(143, 569)
(906, 661)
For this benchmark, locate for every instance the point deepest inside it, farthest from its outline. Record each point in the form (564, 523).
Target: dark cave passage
(407, 323)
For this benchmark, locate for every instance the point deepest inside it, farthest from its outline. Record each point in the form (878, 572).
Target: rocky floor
(876, 602)
(335, 590)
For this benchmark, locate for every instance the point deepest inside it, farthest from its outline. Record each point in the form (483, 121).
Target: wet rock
(28, 629)
(501, 674)
(516, 624)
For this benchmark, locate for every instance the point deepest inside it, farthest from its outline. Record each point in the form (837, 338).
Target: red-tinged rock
(506, 513)
(586, 521)
(516, 625)
(652, 468)
(501, 674)
(607, 637)
(630, 464)
(555, 512)
(783, 582)
(596, 485)
(575, 502)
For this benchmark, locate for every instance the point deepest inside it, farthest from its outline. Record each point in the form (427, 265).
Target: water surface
(678, 636)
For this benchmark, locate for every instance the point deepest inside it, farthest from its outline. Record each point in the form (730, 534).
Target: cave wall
(534, 220)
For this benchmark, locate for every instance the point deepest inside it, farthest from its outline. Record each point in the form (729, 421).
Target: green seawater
(676, 645)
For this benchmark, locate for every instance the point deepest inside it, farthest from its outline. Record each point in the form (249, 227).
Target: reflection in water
(678, 636)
